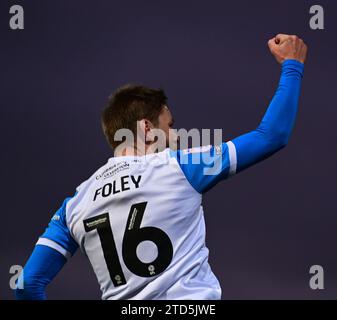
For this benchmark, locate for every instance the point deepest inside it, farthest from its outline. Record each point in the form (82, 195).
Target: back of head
(129, 104)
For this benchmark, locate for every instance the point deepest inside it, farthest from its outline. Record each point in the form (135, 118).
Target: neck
(134, 151)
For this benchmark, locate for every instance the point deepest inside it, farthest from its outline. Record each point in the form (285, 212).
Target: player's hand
(284, 47)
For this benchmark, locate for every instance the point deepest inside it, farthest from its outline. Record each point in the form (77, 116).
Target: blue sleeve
(276, 126)
(206, 166)
(57, 234)
(42, 266)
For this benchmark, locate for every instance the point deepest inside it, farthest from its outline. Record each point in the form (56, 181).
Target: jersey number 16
(133, 236)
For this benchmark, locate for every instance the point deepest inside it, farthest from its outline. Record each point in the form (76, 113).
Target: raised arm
(275, 128)
(271, 135)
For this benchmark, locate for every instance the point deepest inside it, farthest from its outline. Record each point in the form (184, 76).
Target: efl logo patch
(218, 150)
(56, 217)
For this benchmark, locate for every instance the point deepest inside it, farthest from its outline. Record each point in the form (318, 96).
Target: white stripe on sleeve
(232, 158)
(52, 244)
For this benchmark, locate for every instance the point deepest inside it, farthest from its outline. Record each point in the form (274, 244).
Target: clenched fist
(284, 47)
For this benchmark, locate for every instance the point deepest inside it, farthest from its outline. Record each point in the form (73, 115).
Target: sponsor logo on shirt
(109, 172)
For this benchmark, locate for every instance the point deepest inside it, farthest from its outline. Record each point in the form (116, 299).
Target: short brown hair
(129, 104)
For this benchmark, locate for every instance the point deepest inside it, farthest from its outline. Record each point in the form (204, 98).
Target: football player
(139, 218)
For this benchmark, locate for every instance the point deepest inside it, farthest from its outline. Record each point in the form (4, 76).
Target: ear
(144, 125)
(149, 136)
(147, 125)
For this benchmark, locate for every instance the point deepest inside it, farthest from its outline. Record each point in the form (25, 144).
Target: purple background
(266, 226)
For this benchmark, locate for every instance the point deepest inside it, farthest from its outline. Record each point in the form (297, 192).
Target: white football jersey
(140, 222)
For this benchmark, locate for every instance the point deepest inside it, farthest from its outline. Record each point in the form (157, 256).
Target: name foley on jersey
(124, 183)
